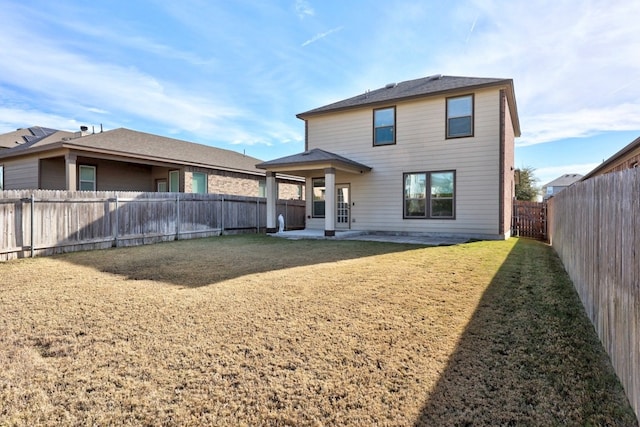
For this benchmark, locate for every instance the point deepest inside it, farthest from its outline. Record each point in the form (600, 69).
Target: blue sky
(234, 74)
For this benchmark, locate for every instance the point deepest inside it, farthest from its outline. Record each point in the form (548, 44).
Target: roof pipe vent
(390, 85)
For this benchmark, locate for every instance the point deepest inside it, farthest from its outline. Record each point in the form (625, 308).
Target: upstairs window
(87, 181)
(384, 123)
(429, 195)
(460, 116)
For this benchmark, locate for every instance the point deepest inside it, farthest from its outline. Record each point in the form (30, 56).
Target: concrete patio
(414, 239)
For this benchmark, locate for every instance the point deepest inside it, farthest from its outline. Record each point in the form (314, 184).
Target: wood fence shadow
(529, 355)
(202, 262)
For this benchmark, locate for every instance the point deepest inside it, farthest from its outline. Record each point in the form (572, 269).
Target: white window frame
(81, 181)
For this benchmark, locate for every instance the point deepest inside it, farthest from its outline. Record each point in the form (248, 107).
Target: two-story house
(433, 155)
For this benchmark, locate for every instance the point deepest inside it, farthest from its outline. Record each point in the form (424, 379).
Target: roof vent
(434, 77)
(390, 86)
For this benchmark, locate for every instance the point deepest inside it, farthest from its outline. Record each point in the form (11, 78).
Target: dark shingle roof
(425, 86)
(564, 181)
(310, 157)
(25, 136)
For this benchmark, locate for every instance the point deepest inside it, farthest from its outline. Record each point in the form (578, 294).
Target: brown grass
(251, 330)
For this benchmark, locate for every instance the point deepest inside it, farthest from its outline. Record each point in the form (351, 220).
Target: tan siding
(421, 146)
(21, 174)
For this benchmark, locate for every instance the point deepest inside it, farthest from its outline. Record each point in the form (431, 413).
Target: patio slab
(426, 240)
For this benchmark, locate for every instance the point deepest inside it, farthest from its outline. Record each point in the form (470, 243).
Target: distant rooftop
(25, 136)
(565, 180)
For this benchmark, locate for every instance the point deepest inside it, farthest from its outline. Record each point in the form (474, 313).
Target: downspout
(501, 197)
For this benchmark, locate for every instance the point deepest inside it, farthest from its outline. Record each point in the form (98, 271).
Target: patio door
(343, 206)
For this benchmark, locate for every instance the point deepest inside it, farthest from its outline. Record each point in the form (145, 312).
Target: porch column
(330, 202)
(71, 171)
(272, 198)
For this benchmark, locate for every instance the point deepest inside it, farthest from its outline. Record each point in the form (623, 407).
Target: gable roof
(436, 85)
(564, 181)
(140, 145)
(313, 159)
(634, 145)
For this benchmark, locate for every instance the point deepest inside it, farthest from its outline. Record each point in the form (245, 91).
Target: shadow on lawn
(201, 262)
(529, 355)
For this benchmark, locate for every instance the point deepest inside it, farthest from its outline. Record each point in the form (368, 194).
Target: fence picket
(594, 226)
(71, 221)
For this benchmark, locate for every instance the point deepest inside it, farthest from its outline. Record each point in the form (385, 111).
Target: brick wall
(239, 184)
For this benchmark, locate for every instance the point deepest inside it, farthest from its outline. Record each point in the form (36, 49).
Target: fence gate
(529, 220)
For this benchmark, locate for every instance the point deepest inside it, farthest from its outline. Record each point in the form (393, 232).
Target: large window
(174, 181)
(318, 198)
(429, 195)
(87, 181)
(384, 123)
(460, 116)
(199, 183)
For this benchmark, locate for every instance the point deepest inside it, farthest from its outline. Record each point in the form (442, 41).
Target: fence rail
(594, 226)
(48, 222)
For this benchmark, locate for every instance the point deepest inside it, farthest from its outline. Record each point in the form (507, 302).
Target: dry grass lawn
(252, 330)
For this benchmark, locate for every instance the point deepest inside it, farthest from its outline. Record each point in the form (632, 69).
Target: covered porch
(315, 162)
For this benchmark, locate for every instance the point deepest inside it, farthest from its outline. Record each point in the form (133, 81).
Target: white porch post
(70, 170)
(272, 198)
(330, 202)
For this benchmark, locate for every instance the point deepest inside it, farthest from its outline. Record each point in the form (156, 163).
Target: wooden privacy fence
(594, 226)
(47, 222)
(529, 219)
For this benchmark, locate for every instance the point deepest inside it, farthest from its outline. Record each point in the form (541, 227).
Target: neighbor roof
(635, 144)
(141, 145)
(418, 88)
(26, 136)
(564, 181)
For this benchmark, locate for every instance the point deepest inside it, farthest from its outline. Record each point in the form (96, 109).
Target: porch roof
(313, 160)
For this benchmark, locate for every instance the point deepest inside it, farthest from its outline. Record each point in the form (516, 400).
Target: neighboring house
(433, 155)
(27, 136)
(627, 158)
(127, 160)
(557, 185)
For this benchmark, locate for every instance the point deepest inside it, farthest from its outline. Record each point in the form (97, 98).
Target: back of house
(428, 156)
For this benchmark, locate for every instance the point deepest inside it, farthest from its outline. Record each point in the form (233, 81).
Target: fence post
(258, 216)
(33, 210)
(178, 216)
(117, 223)
(222, 215)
